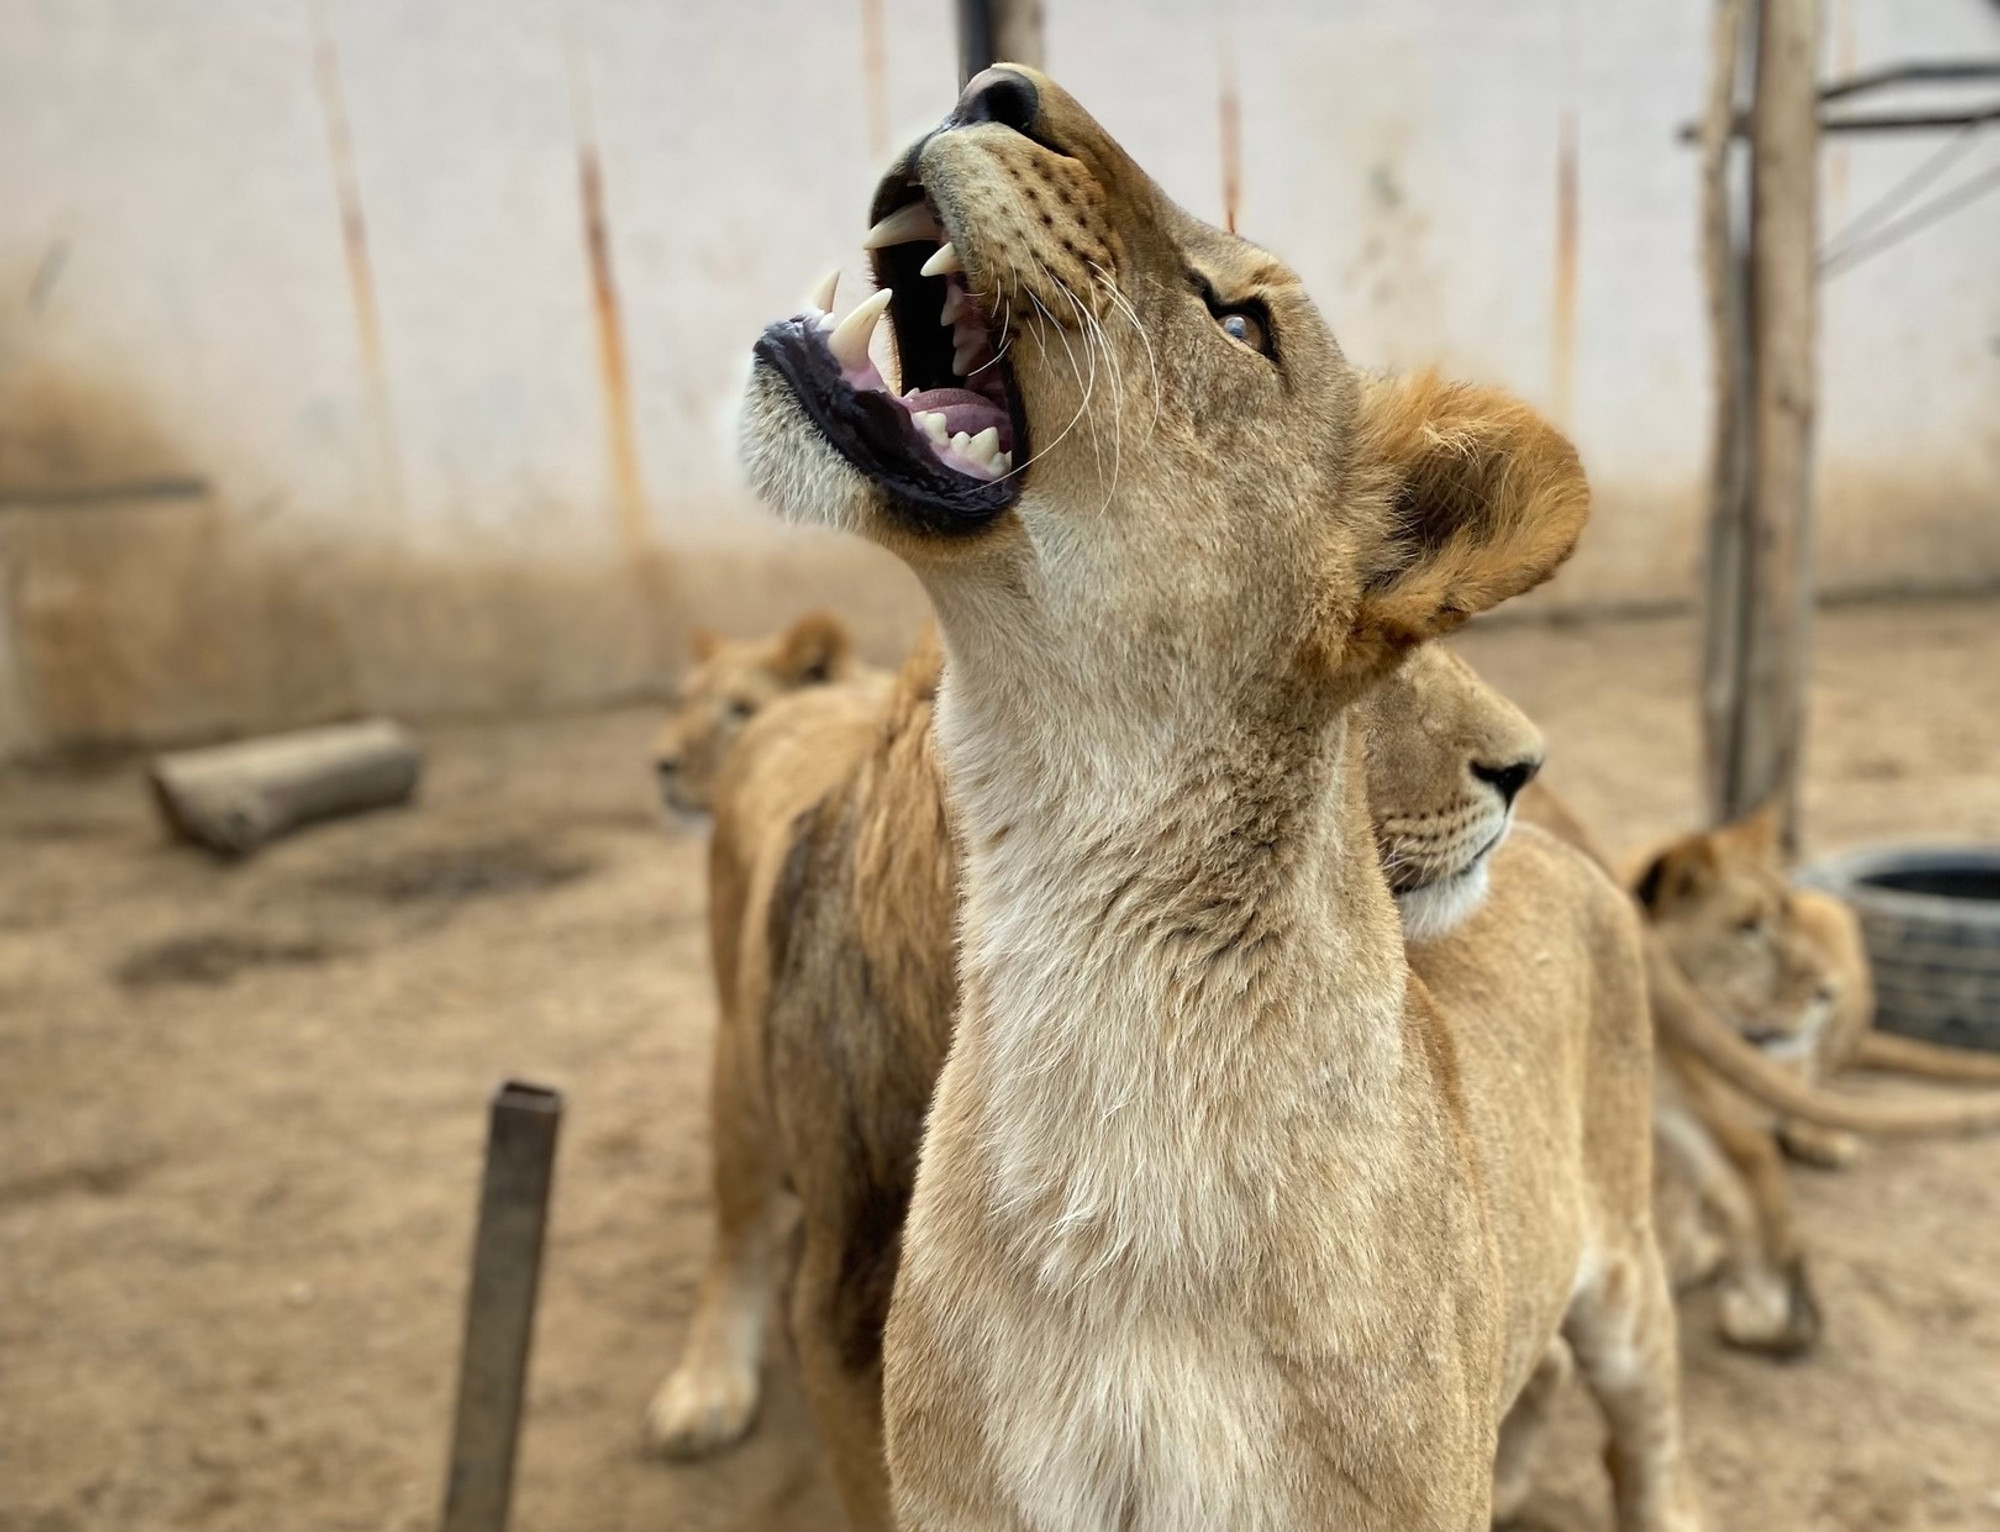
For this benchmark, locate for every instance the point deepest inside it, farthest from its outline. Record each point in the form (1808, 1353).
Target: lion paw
(1821, 1148)
(1778, 1316)
(701, 1410)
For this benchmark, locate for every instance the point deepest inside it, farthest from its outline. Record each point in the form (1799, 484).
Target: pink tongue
(963, 410)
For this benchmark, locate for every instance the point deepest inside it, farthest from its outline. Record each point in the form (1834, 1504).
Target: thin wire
(1933, 165)
(1962, 195)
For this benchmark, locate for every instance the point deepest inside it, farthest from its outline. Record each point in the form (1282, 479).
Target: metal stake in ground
(500, 1309)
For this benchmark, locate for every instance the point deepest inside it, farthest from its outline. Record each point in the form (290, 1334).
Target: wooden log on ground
(233, 798)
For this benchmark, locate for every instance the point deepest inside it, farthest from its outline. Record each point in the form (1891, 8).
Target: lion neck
(1175, 936)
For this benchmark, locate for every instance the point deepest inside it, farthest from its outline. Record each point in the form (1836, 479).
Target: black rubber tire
(1931, 919)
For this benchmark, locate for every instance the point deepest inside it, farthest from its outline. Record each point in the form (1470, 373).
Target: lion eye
(1242, 328)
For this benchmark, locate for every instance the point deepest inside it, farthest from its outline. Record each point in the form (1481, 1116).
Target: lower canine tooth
(944, 262)
(849, 340)
(983, 447)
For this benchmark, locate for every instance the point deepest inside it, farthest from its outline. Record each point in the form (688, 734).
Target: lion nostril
(1507, 780)
(1002, 96)
(667, 768)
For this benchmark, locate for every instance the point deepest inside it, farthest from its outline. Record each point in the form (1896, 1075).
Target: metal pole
(998, 32)
(975, 38)
(500, 1308)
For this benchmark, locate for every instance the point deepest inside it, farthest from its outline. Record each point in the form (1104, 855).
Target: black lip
(877, 436)
(1399, 889)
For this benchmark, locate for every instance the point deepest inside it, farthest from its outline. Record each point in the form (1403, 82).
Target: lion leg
(840, 1365)
(1521, 1431)
(1808, 1143)
(1621, 1328)
(1694, 1252)
(710, 1398)
(1766, 1301)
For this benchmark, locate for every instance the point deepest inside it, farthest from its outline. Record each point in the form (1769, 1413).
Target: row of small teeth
(983, 449)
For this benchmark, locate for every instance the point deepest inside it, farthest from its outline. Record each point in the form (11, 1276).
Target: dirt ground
(241, 1112)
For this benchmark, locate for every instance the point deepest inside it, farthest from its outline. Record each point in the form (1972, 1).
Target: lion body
(863, 986)
(1216, 1219)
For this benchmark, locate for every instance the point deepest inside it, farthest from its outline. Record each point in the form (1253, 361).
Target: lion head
(1722, 906)
(1148, 495)
(1446, 755)
(730, 682)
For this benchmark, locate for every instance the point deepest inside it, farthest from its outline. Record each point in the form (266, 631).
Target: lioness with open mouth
(1222, 1219)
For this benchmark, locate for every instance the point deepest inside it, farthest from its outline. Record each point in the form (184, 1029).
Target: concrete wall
(429, 485)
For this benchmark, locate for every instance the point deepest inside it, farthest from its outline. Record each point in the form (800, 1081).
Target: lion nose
(1002, 96)
(1507, 780)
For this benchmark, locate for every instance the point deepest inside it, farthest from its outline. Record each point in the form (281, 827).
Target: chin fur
(1437, 909)
(790, 466)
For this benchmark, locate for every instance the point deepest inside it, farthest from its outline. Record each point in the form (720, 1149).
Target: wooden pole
(1757, 650)
(1725, 259)
(998, 32)
(1784, 179)
(500, 1307)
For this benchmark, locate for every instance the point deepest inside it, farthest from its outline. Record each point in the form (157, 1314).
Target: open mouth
(947, 442)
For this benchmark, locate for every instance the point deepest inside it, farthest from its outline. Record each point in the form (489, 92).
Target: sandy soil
(241, 1112)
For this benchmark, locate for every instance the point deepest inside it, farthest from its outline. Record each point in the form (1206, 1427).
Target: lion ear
(1678, 873)
(816, 649)
(1486, 500)
(1759, 833)
(704, 642)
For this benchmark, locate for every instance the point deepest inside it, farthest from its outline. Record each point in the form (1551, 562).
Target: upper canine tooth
(944, 263)
(954, 305)
(965, 353)
(821, 297)
(902, 226)
(984, 447)
(849, 340)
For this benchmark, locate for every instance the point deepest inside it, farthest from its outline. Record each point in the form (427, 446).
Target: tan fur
(730, 682)
(1224, 1217)
(1787, 968)
(1851, 1041)
(1430, 729)
(864, 988)
(785, 759)
(1733, 940)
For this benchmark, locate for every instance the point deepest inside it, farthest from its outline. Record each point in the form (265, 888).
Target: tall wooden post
(1762, 301)
(998, 31)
